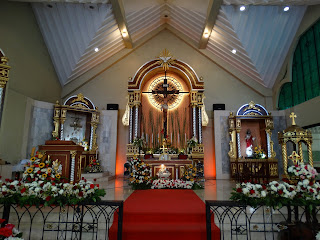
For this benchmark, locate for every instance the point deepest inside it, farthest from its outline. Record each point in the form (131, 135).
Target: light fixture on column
(124, 33)
(242, 8)
(206, 34)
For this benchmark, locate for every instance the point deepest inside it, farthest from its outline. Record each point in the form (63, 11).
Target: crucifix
(165, 92)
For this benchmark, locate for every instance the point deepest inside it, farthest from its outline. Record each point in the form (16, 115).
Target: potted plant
(182, 154)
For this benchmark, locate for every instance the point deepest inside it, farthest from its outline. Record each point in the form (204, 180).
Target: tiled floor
(118, 189)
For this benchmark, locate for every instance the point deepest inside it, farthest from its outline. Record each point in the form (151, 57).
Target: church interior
(210, 91)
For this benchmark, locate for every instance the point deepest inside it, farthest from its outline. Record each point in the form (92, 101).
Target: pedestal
(69, 155)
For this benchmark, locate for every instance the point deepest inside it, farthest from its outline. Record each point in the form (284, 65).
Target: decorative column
(73, 162)
(95, 119)
(194, 103)
(4, 78)
(268, 142)
(309, 143)
(200, 103)
(131, 105)
(300, 150)
(285, 158)
(56, 120)
(62, 120)
(137, 103)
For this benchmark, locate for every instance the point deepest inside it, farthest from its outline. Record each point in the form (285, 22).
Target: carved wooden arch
(149, 69)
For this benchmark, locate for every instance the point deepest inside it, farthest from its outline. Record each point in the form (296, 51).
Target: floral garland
(276, 194)
(140, 175)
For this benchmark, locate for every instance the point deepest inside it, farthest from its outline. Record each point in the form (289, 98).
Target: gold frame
(297, 136)
(78, 103)
(250, 111)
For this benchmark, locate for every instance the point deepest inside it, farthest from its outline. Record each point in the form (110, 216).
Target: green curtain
(305, 83)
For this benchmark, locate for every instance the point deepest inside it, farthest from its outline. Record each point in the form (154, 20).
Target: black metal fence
(238, 221)
(83, 221)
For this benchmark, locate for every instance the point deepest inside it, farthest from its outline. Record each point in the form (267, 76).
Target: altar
(165, 110)
(175, 166)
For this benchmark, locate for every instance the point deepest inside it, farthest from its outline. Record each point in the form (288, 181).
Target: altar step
(98, 177)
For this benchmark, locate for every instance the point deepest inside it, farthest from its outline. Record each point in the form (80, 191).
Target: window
(305, 71)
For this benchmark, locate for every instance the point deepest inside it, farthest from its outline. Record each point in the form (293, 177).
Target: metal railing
(239, 221)
(82, 221)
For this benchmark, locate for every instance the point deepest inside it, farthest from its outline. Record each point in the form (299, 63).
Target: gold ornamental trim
(165, 59)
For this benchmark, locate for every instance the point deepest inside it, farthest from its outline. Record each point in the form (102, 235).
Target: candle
(96, 154)
(171, 138)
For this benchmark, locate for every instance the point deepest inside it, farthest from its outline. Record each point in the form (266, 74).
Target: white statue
(249, 143)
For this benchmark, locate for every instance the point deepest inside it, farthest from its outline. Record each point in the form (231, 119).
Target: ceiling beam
(119, 14)
(212, 14)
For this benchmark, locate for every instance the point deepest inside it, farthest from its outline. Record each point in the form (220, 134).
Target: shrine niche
(77, 121)
(292, 139)
(165, 113)
(252, 156)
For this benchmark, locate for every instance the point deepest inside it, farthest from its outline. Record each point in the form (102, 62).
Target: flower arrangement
(41, 168)
(190, 173)
(42, 184)
(302, 171)
(163, 183)
(9, 232)
(93, 167)
(192, 142)
(49, 193)
(259, 153)
(306, 192)
(140, 175)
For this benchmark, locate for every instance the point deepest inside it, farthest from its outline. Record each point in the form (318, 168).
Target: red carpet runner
(164, 214)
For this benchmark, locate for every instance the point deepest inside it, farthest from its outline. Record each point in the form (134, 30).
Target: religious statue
(163, 172)
(249, 143)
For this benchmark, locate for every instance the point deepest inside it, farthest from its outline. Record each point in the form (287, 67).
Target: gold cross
(293, 116)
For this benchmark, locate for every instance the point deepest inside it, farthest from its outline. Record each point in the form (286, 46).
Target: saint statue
(249, 143)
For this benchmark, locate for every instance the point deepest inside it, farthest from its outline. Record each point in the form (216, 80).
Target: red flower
(252, 191)
(6, 232)
(291, 189)
(80, 194)
(311, 190)
(264, 187)
(4, 193)
(310, 183)
(98, 185)
(280, 191)
(48, 198)
(94, 179)
(2, 221)
(23, 190)
(306, 167)
(82, 178)
(9, 226)
(91, 186)
(53, 184)
(239, 190)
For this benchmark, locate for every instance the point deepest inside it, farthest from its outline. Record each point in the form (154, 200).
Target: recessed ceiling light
(234, 51)
(286, 9)
(96, 49)
(242, 8)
